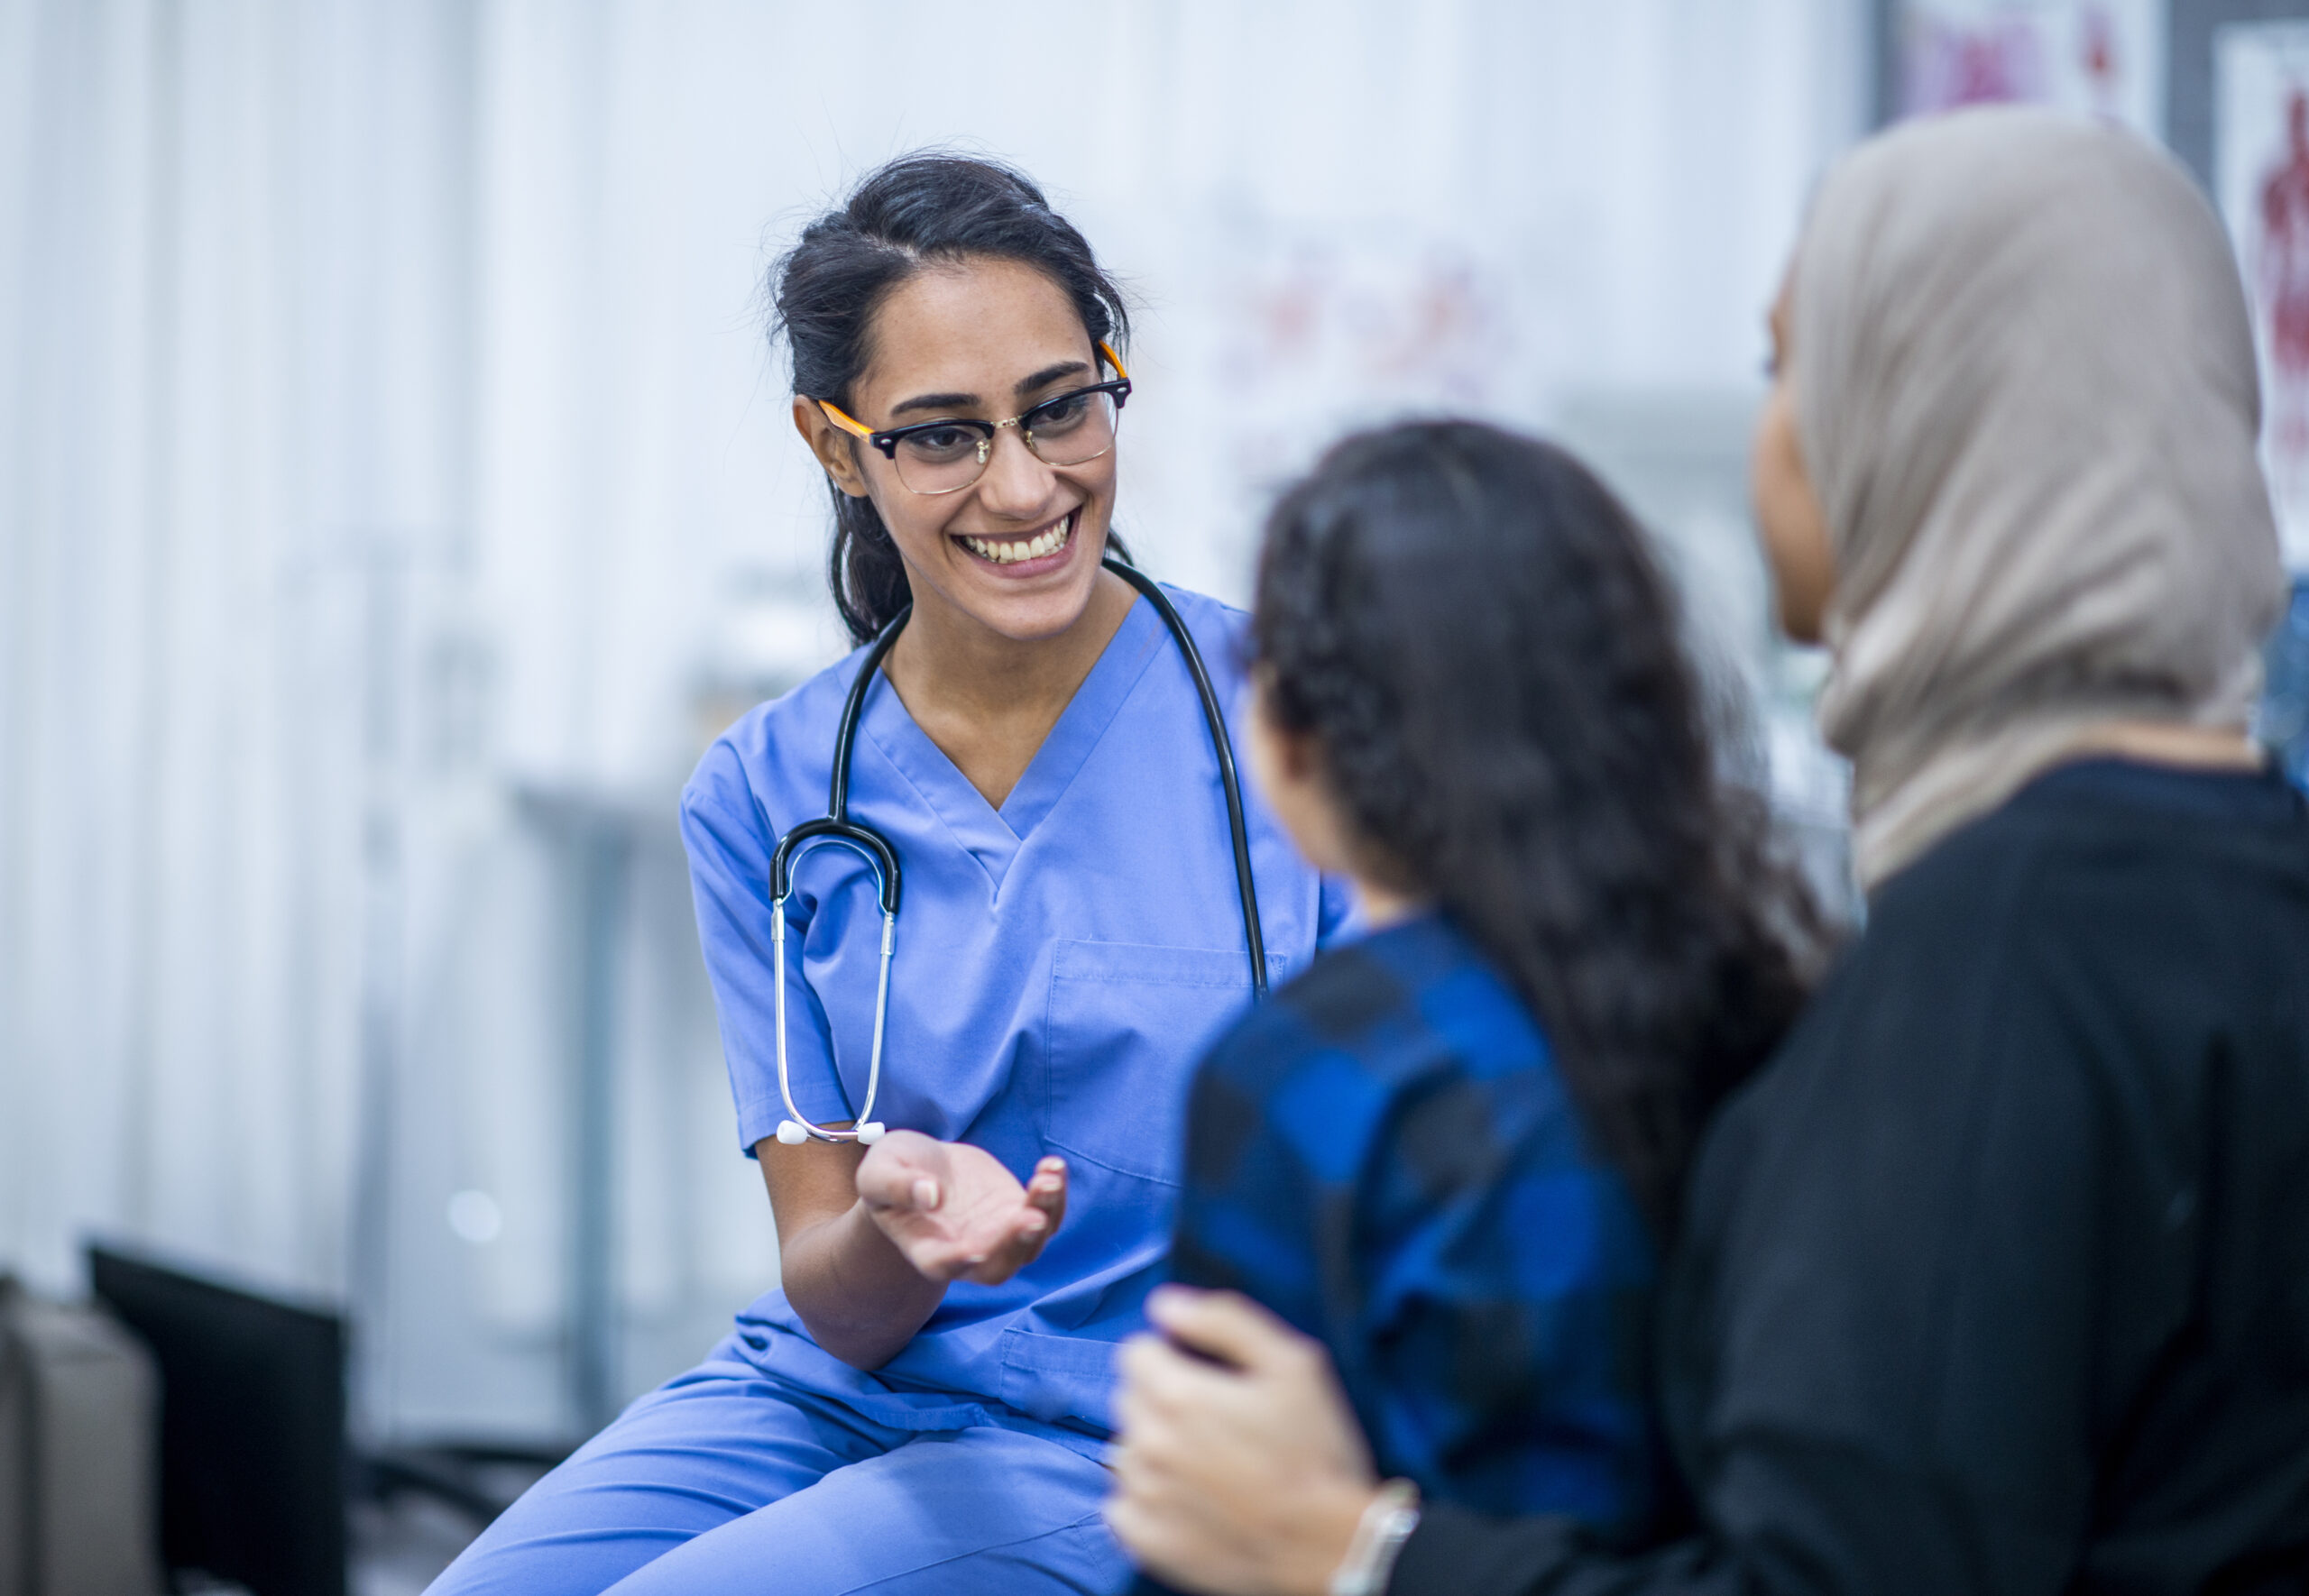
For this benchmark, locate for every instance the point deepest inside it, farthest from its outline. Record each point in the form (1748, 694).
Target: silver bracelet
(1379, 1537)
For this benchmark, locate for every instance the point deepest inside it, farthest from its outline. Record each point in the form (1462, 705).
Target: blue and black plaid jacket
(1385, 1156)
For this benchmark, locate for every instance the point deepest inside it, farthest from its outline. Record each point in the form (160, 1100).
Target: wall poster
(2261, 181)
(2105, 57)
(2260, 177)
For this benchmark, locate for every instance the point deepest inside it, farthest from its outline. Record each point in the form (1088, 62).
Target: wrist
(1388, 1517)
(872, 1256)
(1326, 1528)
(855, 1291)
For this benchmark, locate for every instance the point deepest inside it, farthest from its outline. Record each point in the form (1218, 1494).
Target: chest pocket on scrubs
(1126, 1024)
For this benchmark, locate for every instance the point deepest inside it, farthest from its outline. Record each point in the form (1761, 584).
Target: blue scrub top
(1061, 965)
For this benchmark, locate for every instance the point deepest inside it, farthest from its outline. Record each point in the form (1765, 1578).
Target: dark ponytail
(918, 209)
(1490, 661)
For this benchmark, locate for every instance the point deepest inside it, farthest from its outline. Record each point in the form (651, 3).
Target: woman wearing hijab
(1997, 1278)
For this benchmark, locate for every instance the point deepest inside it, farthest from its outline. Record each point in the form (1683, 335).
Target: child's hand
(954, 1211)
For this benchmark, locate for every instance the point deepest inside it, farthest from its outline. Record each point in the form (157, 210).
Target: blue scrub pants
(729, 1480)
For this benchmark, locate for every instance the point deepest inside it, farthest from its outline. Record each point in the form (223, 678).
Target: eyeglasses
(947, 456)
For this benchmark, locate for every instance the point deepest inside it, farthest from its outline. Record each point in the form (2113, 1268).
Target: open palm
(954, 1211)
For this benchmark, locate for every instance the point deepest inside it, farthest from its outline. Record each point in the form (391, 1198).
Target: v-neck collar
(993, 837)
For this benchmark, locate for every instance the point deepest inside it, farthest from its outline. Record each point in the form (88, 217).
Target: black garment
(1997, 1279)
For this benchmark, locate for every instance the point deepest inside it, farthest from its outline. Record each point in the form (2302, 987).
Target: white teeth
(1010, 551)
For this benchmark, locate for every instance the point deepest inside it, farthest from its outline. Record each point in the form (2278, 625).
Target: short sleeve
(729, 843)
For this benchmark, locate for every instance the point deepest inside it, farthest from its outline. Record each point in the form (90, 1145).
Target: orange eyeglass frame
(851, 424)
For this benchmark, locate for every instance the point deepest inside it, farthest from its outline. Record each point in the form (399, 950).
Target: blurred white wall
(395, 491)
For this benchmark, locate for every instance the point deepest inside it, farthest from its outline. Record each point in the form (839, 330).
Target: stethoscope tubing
(836, 827)
(867, 1130)
(1246, 888)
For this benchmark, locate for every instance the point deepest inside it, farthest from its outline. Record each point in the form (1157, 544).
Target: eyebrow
(1049, 374)
(935, 401)
(958, 402)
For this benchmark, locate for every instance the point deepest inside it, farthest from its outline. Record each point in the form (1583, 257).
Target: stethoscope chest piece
(794, 1132)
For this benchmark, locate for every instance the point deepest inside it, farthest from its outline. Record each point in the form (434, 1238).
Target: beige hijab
(2024, 387)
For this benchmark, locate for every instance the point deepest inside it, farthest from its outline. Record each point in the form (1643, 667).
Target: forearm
(854, 1291)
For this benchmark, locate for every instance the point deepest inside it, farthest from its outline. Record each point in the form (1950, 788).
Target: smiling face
(1016, 553)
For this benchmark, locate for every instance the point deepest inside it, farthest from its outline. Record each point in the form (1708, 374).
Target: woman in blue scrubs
(922, 1404)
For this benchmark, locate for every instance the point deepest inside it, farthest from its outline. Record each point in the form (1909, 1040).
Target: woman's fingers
(899, 1187)
(904, 1170)
(955, 1212)
(1046, 1192)
(1162, 1385)
(1045, 1203)
(1228, 1326)
(1183, 1408)
(1045, 1200)
(1026, 1228)
(1030, 1231)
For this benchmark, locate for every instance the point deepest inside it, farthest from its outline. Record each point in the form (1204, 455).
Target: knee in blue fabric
(722, 1482)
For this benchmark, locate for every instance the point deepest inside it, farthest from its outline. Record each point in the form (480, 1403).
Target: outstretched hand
(954, 1211)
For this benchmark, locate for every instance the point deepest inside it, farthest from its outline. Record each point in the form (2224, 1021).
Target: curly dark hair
(926, 208)
(1491, 663)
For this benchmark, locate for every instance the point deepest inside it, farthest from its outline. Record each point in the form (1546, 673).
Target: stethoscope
(836, 827)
